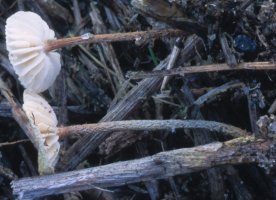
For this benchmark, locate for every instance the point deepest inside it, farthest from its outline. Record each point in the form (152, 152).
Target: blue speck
(244, 44)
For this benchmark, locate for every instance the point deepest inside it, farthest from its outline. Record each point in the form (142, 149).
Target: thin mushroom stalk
(150, 125)
(31, 44)
(87, 38)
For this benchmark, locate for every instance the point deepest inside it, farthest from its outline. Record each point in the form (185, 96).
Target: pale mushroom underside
(26, 34)
(42, 116)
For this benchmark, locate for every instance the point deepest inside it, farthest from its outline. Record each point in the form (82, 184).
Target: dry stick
(112, 37)
(254, 102)
(55, 10)
(239, 189)
(2, 144)
(87, 144)
(173, 57)
(158, 166)
(84, 146)
(213, 93)
(7, 173)
(28, 162)
(272, 107)
(200, 137)
(150, 125)
(173, 15)
(77, 15)
(108, 50)
(114, 144)
(18, 114)
(5, 63)
(32, 133)
(228, 54)
(203, 69)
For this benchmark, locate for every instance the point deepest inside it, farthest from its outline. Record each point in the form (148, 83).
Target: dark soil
(92, 82)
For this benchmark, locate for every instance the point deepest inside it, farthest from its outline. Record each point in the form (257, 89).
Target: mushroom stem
(150, 125)
(112, 37)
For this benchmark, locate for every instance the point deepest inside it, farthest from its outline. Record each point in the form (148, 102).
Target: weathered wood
(203, 69)
(84, 146)
(228, 54)
(88, 143)
(7, 173)
(113, 144)
(169, 13)
(18, 114)
(28, 162)
(158, 166)
(150, 125)
(215, 92)
(32, 133)
(241, 192)
(215, 176)
(54, 9)
(107, 48)
(5, 63)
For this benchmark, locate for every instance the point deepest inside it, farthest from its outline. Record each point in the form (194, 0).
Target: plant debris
(156, 99)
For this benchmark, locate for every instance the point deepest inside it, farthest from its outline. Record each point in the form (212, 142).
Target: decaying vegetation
(169, 99)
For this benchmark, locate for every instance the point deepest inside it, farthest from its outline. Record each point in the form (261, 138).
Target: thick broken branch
(150, 125)
(161, 165)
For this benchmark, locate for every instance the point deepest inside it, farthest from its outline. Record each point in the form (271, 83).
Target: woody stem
(112, 37)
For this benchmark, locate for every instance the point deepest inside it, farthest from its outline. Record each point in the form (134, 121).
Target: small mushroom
(42, 116)
(26, 34)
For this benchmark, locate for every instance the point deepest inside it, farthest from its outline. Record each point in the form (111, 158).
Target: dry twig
(204, 69)
(158, 166)
(18, 114)
(150, 125)
(32, 133)
(112, 37)
(2, 144)
(131, 100)
(213, 93)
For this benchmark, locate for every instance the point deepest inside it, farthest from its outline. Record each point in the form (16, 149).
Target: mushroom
(31, 42)
(26, 35)
(42, 116)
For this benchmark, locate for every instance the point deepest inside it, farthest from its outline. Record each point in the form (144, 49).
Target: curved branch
(151, 125)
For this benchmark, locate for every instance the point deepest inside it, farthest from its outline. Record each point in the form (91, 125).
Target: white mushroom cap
(26, 34)
(43, 117)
